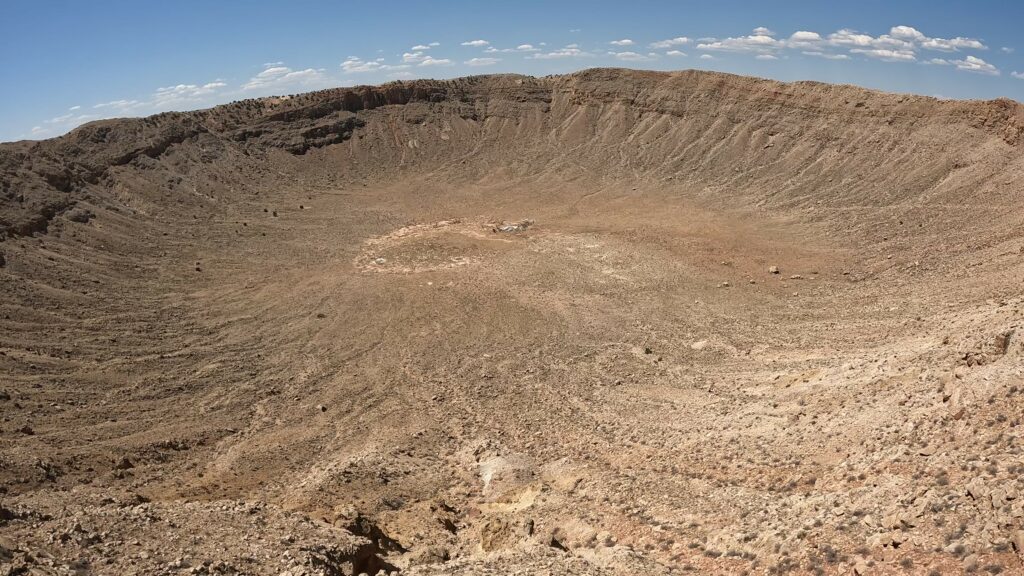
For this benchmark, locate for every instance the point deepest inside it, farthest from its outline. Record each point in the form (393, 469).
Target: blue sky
(65, 62)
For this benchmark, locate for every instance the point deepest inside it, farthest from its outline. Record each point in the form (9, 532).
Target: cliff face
(722, 130)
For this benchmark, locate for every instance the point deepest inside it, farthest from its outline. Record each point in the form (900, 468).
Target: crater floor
(592, 324)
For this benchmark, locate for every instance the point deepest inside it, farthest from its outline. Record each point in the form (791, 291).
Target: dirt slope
(609, 322)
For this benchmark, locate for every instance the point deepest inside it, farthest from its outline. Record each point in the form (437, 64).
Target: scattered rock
(773, 269)
(1017, 540)
(81, 215)
(363, 526)
(502, 533)
(606, 539)
(514, 227)
(429, 555)
(1002, 341)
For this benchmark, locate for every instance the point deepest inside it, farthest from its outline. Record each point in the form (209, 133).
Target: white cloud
(762, 42)
(907, 33)
(183, 93)
(706, 57)
(482, 61)
(900, 44)
(804, 40)
(952, 44)
(556, 54)
(827, 55)
(887, 54)
(758, 43)
(1007, 50)
(280, 76)
(424, 60)
(766, 57)
(968, 64)
(633, 56)
(846, 37)
(676, 53)
(520, 48)
(431, 61)
(476, 43)
(1019, 75)
(73, 108)
(119, 104)
(850, 38)
(355, 65)
(670, 43)
(623, 42)
(419, 47)
(805, 36)
(888, 42)
(434, 44)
